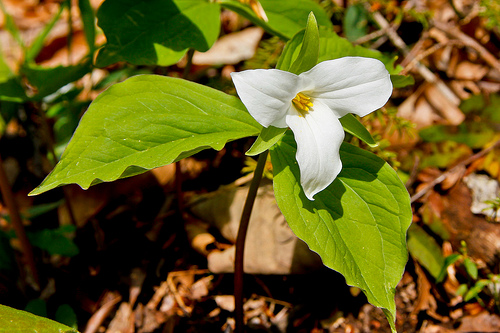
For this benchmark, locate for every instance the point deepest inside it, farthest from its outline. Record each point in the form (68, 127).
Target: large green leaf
(12, 320)
(156, 32)
(146, 122)
(357, 225)
(286, 17)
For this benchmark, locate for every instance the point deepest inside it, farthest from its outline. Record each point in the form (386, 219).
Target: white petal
(267, 94)
(351, 84)
(318, 135)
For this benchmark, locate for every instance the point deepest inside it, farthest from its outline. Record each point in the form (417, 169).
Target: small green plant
(494, 207)
(485, 291)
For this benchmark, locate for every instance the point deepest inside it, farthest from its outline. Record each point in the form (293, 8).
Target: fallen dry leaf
(231, 49)
(270, 248)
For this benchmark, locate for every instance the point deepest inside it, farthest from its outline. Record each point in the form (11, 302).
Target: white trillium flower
(311, 104)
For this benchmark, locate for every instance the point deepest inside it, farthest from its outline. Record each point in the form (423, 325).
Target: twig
(427, 53)
(50, 142)
(189, 63)
(424, 71)
(93, 324)
(471, 42)
(370, 36)
(240, 243)
(17, 224)
(169, 285)
(413, 174)
(443, 176)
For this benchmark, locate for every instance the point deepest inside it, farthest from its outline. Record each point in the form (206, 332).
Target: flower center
(302, 102)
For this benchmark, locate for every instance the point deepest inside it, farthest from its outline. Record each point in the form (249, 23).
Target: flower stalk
(240, 242)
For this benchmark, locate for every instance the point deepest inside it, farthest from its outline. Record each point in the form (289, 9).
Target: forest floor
(153, 253)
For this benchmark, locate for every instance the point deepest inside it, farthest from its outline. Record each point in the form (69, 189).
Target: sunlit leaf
(357, 225)
(425, 250)
(286, 17)
(146, 122)
(308, 55)
(12, 320)
(156, 32)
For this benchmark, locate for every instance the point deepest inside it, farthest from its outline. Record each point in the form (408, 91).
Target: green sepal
(266, 139)
(309, 52)
(353, 126)
(332, 46)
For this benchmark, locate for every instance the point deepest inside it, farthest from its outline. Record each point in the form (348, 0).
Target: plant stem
(189, 63)
(17, 224)
(240, 242)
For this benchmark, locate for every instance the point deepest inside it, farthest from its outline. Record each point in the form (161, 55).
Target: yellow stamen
(302, 102)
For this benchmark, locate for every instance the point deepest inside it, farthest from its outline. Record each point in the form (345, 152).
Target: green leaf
(401, 81)
(37, 307)
(10, 85)
(146, 122)
(476, 289)
(49, 80)
(38, 210)
(424, 248)
(355, 23)
(449, 260)
(7, 259)
(357, 224)
(12, 320)
(88, 20)
(286, 17)
(461, 290)
(54, 241)
(66, 315)
(474, 134)
(156, 32)
(471, 268)
(308, 55)
(266, 139)
(353, 126)
(331, 46)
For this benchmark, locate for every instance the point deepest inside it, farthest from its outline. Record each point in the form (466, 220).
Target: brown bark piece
(482, 237)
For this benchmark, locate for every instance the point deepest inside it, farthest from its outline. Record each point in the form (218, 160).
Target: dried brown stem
(455, 32)
(424, 71)
(17, 224)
